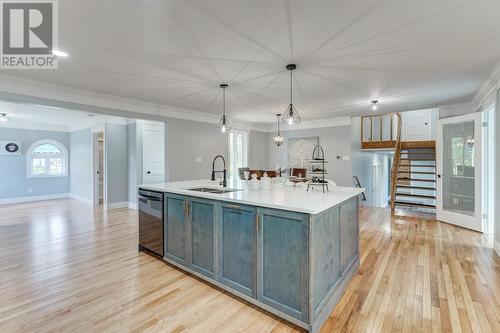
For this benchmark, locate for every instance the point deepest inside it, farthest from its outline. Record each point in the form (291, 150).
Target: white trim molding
(34, 198)
(496, 247)
(133, 205)
(488, 88)
(116, 205)
(80, 198)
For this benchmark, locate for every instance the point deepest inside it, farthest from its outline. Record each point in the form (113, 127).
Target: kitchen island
(286, 250)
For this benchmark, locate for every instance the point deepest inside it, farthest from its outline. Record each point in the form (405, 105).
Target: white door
(458, 166)
(153, 153)
(417, 125)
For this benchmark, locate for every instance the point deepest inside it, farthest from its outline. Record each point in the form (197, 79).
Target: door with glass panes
(459, 178)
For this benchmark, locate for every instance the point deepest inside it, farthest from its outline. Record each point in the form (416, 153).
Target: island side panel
(325, 250)
(333, 239)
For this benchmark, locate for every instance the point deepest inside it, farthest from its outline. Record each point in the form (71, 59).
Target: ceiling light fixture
(224, 120)
(375, 105)
(291, 116)
(278, 139)
(3, 117)
(59, 53)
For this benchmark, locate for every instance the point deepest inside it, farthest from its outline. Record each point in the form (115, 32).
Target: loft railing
(395, 163)
(379, 131)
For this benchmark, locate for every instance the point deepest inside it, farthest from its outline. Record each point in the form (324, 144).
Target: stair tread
(418, 165)
(417, 159)
(416, 195)
(417, 172)
(417, 180)
(417, 187)
(413, 204)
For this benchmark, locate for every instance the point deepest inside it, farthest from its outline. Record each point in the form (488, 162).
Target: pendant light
(291, 116)
(3, 117)
(224, 120)
(278, 139)
(375, 105)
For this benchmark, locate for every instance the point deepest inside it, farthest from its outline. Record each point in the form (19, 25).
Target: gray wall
(497, 174)
(13, 181)
(133, 162)
(116, 163)
(336, 141)
(81, 163)
(258, 149)
(185, 141)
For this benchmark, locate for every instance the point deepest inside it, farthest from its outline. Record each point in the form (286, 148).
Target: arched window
(47, 158)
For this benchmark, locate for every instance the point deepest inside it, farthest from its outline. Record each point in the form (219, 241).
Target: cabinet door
(203, 215)
(348, 232)
(237, 252)
(175, 227)
(283, 261)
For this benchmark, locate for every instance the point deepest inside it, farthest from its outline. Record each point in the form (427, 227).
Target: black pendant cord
(224, 102)
(279, 134)
(291, 87)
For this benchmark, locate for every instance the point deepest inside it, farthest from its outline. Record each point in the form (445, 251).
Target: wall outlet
(198, 159)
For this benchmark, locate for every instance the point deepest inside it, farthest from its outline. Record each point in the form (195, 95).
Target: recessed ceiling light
(59, 53)
(3, 117)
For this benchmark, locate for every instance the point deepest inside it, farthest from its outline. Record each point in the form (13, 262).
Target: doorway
(98, 166)
(153, 156)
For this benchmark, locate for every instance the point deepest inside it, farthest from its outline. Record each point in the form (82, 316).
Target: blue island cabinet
(202, 238)
(283, 261)
(175, 229)
(292, 264)
(238, 248)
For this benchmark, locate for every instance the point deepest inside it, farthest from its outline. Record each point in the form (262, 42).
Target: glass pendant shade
(291, 115)
(278, 139)
(374, 105)
(224, 124)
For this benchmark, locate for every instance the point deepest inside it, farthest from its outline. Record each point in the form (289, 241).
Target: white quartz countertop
(279, 196)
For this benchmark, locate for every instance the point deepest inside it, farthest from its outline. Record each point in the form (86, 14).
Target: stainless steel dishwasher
(151, 221)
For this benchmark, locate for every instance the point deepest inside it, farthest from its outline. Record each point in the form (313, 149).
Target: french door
(458, 167)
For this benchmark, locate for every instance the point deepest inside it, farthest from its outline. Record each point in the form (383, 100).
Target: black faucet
(224, 182)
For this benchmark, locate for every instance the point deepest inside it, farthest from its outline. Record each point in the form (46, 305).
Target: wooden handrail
(395, 164)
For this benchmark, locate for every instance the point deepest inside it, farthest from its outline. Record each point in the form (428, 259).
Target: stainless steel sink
(211, 190)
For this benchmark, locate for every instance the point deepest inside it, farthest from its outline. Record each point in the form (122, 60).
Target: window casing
(47, 158)
(238, 151)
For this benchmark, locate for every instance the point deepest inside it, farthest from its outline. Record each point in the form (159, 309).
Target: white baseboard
(116, 205)
(33, 198)
(496, 246)
(132, 205)
(80, 198)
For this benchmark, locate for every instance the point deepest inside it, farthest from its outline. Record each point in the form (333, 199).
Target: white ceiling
(408, 54)
(30, 116)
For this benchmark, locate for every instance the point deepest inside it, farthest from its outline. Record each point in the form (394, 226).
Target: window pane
(55, 165)
(47, 148)
(38, 166)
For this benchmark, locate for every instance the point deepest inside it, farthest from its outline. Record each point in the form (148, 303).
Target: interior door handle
(439, 176)
(149, 172)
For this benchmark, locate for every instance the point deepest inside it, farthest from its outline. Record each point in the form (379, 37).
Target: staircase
(415, 179)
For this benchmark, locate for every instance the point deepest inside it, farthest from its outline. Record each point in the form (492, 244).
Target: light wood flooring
(65, 267)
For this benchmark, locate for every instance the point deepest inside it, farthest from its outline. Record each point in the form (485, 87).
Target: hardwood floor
(67, 268)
